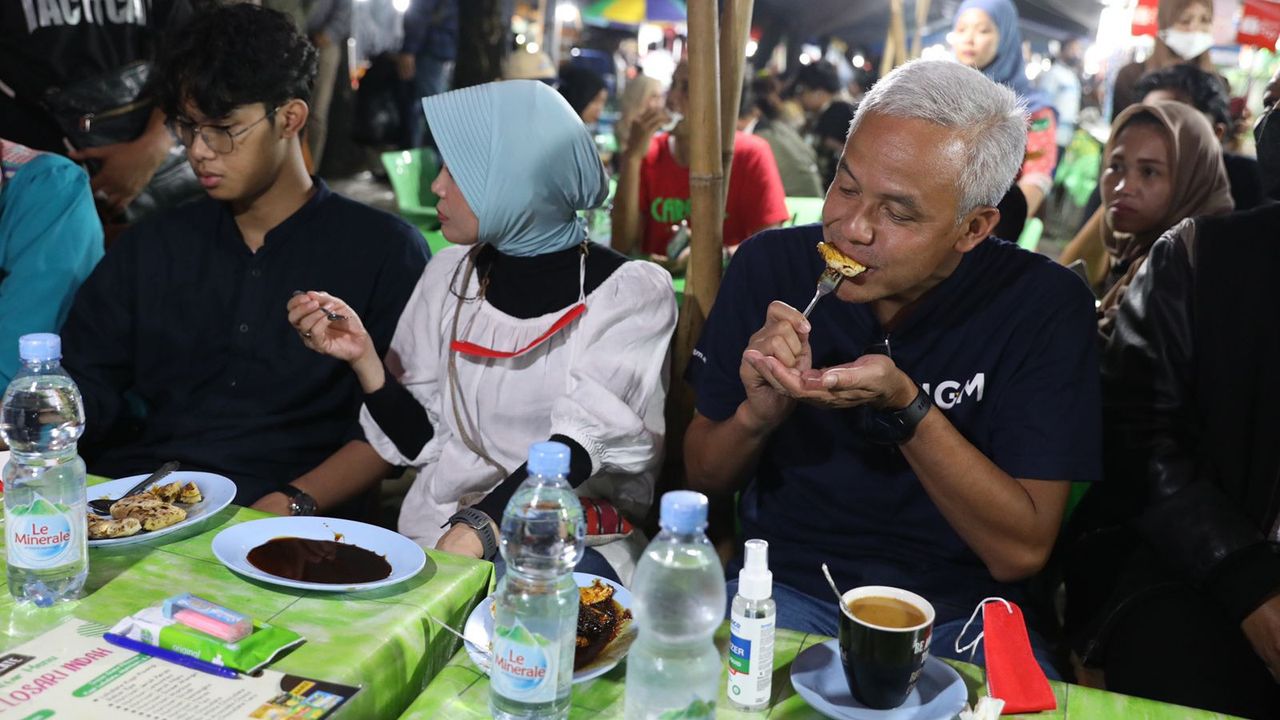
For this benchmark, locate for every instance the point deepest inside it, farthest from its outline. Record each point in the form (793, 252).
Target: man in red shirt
(653, 186)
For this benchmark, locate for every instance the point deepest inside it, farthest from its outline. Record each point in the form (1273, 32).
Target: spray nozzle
(755, 582)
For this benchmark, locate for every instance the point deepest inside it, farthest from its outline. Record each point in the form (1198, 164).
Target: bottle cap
(755, 581)
(549, 458)
(683, 511)
(40, 347)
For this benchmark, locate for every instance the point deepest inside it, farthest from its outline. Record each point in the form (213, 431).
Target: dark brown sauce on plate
(319, 561)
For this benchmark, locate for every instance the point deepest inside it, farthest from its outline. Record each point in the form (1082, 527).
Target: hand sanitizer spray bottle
(751, 624)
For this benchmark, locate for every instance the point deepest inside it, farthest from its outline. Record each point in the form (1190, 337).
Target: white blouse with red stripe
(600, 379)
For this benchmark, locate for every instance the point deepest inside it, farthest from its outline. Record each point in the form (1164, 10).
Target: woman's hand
(329, 326)
(642, 129)
(462, 539)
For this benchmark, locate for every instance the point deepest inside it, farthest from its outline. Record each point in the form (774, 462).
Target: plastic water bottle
(536, 606)
(41, 418)
(673, 669)
(752, 621)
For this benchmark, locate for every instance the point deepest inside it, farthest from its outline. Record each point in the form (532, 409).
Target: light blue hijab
(524, 161)
(1008, 68)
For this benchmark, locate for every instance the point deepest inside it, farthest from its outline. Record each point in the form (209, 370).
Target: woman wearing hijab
(1185, 36)
(521, 332)
(585, 90)
(986, 37)
(1163, 164)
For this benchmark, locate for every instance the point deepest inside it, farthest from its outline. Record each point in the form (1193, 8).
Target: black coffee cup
(883, 648)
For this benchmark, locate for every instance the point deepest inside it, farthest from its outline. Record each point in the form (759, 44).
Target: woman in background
(985, 36)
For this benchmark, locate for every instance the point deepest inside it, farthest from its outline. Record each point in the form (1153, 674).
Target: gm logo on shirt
(950, 393)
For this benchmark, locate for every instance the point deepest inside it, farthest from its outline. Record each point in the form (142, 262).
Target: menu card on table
(71, 672)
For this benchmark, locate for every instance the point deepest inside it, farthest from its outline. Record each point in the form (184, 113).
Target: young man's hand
(406, 66)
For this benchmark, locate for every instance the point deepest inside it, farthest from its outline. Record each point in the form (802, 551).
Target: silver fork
(828, 281)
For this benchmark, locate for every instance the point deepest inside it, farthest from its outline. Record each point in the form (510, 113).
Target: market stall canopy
(634, 12)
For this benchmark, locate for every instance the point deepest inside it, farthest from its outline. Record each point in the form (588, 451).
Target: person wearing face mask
(1185, 36)
(521, 332)
(1173, 563)
(985, 36)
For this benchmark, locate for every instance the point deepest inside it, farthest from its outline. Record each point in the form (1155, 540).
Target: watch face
(302, 504)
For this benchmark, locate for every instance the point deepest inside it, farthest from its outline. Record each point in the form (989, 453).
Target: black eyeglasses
(218, 139)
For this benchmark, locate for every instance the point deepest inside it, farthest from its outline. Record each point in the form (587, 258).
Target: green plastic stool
(411, 173)
(1030, 237)
(804, 210)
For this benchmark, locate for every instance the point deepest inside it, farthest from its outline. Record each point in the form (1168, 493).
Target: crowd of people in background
(219, 304)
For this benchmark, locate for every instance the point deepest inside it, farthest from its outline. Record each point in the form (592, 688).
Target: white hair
(991, 121)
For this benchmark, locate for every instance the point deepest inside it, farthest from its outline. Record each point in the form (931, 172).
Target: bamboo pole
(706, 178)
(922, 17)
(895, 44)
(735, 29)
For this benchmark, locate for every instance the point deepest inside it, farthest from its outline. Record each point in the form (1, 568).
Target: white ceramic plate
(217, 490)
(232, 547)
(479, 629)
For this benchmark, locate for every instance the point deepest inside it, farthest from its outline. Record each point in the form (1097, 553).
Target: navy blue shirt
(182, 348)
(1006, 348)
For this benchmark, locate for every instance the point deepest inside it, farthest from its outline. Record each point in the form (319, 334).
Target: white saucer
(818, 677)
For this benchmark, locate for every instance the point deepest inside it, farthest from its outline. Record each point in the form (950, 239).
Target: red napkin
(1013, 675)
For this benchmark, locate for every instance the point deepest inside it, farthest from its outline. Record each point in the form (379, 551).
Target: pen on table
(170, 656)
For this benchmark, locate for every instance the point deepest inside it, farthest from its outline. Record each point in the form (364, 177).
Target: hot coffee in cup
(884, 641)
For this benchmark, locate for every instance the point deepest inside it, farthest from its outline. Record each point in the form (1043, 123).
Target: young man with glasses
(917, 428)
(180, 342)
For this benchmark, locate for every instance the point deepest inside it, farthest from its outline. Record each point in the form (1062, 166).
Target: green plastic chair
(435, 241)
(1031, 232)
(804, 210)
(411, 173)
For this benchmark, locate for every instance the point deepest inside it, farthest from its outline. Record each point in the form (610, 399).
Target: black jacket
(1191, 408)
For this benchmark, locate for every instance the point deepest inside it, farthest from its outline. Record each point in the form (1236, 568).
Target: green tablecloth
(380, 640)
(461, 691)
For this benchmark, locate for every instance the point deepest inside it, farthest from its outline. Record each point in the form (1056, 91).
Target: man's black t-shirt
(54, 43)
(1006, 348)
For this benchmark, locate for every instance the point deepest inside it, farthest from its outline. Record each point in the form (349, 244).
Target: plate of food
(319, 553)
(181, 500)
(605, 628)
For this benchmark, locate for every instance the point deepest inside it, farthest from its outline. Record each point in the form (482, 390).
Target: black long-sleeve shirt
(182, 348)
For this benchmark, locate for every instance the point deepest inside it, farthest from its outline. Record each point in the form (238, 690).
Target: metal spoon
(484, 651)
(102, 506)
(832, 583)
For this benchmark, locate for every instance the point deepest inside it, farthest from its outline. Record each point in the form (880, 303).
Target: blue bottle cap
(40, 347)
(683, 511)
(548, 458)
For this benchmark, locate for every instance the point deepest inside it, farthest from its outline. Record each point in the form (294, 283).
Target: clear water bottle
(673, 669)
(536, 606)
(41, 418)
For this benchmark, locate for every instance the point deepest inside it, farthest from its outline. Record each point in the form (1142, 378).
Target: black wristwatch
(480, 522)
(894, 427)
(300, 503)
